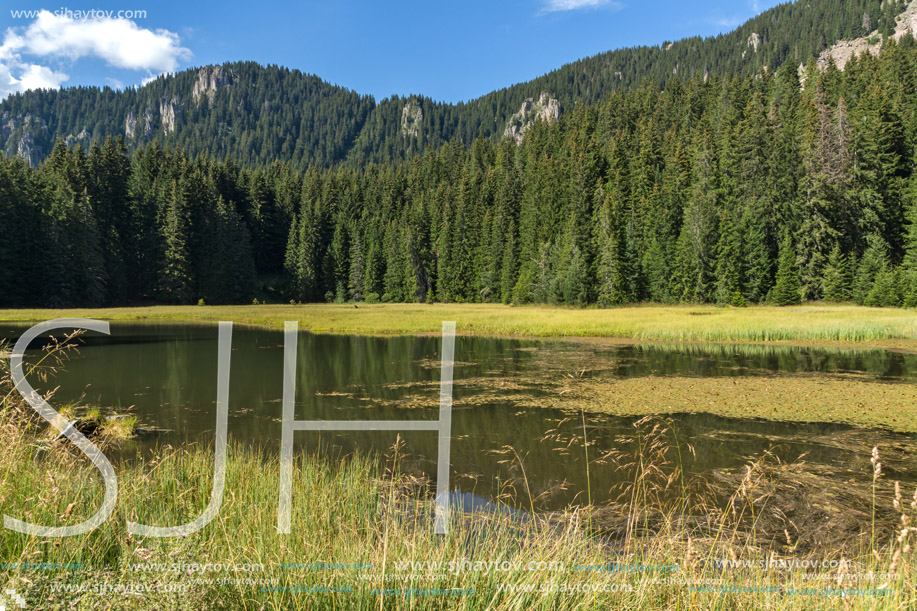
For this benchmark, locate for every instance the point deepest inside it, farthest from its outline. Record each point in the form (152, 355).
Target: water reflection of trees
(752, 359)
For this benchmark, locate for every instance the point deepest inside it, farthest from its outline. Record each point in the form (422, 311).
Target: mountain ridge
(274, 113)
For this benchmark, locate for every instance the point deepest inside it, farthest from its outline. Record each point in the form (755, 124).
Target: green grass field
(682, 323)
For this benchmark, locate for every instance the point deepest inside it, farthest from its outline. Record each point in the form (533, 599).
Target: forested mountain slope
(725, 190)
(259, 114)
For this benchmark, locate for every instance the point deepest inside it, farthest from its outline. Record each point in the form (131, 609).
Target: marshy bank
(817, 323)
(730, 502)
(362, 526)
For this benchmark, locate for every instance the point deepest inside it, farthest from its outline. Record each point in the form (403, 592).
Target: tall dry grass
(687, 323)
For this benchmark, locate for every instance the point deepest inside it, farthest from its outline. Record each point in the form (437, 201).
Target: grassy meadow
(680, 323)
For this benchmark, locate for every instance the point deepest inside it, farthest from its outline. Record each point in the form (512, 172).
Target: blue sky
(448, 51)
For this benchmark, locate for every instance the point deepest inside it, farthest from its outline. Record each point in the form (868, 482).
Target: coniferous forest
(771, 187)
(260, 114)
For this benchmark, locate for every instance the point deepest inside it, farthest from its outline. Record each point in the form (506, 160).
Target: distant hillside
(249, 112)
(255, 114)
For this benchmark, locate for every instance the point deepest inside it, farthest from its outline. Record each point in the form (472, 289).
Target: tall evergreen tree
(838, 276)
(175, 281)
(787, 290)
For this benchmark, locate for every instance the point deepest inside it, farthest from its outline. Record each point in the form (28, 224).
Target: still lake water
(505, 395)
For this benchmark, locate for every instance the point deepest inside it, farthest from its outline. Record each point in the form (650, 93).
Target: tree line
(774, 187)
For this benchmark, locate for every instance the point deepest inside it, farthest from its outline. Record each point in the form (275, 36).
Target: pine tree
(610, 273)
(678, 194)
(356, 281)
(568, 284)
(148, 190)
(656, 271)
(575, 287)
(879, 146)
(108, 171)
(825, 206)
(697, 243)
(787, 290)
(508, 264)
(729, 263)
(887, 290)
(340, 256)
(838, 277)
(85, 253)
(872, 264)
(375, 270)
(175, 281)
(25, 264)
(228, 270)
(909, 264)
(393, 279)
(759, 265)
(544, 275)
(302, 256)
(412, 285)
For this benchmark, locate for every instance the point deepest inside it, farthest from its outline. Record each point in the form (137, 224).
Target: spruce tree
(175, 281)
(356, 280)
(612, 274)
(729, 263)
(508, 264)
(393, 279)
(887, 290)
(872, 264)
(909, 264)
(838, 277)
(787, 290)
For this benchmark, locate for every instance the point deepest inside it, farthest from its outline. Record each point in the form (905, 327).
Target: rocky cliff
(170, 113)
(411, 119)
(842, 51)
(545, 108)
(210, 79)
(23, 137)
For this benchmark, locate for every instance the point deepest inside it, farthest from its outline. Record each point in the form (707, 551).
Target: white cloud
(30, 76)
(554, 6)
(41, 77)
(119, 42)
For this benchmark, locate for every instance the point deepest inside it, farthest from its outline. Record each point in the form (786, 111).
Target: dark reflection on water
(166, 375)
(746, 360)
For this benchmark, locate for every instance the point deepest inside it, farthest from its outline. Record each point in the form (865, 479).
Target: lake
(506, 398)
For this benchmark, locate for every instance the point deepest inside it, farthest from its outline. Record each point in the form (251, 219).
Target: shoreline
(863, 403)
(817, 325)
